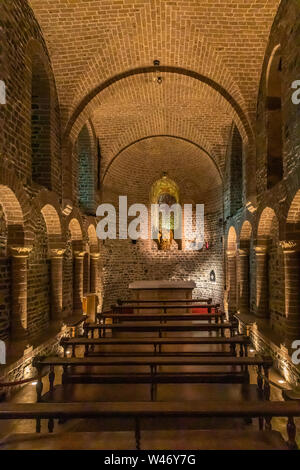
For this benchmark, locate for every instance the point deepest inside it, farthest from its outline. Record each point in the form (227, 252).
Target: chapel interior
(149, 343)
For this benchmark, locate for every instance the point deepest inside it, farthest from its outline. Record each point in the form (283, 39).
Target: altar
(166, 291)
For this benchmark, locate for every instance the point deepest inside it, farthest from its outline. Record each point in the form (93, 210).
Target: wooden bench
(163, 301)
(236, 373)
(159, 328)
(89, 345)
(141, 411)
(164, 317)
(164, 307)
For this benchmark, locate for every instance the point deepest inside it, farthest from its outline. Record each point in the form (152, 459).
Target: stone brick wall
(5, 276)
(285, 31)
(22, 41)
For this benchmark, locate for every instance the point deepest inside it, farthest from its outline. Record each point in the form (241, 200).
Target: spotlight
(281, 381)
(252, 350)
(33, 383)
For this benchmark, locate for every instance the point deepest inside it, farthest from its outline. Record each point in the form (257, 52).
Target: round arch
(157, 136)
(53, 225)
(231, 239)
(13, 216)
(268, 224)
(155, 69)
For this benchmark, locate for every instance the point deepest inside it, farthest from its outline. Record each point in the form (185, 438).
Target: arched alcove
(274, 119)
(236, 172)
(40, 122)
(85, 171)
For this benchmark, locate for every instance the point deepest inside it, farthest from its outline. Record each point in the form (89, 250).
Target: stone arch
(246, 232)
(75, 230)
(268, 222)
(231, 239)
(81, 108)
(93, 239)
(53, 225)
(148, 137)
(13, 215)
(293, 219)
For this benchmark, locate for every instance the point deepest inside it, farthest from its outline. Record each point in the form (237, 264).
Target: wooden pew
(162, 301)
(89, 344)
(141, 411)
(153, 376)
(164, 307)
(91, 328)
(161, 317)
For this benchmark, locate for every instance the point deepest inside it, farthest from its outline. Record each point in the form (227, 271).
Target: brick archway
(293, 219)
(13, 215)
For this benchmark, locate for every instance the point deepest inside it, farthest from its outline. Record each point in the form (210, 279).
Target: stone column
(78, 281)
(243, 281)
(262, 282)
(291, 256)
(19, 291)
(231, 281)
(94, 273)
(56, 283)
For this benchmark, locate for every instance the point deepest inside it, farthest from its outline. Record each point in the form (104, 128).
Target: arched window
(236, 172)
(85, 171)
(40, 123)
(274, 119)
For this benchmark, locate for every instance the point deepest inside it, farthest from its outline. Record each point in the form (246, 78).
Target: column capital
(20, 251)
(79, 254)
(57, 252)
(230, 253)
(95, 255)
(260, 249)
(290, 246)
(243, 252)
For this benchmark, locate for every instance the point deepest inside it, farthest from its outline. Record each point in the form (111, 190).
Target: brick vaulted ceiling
(211, 53)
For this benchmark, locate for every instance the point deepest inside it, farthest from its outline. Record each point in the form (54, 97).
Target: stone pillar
(56, 283)
(291, 256)
(231, 281)
(243, 281)
(94, 266)
(78, 281)
(19, 291)
(262, 282)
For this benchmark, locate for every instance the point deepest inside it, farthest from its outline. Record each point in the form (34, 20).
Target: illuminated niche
(165, 191)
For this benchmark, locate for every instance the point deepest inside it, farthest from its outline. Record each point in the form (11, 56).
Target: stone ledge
(21, 353)
(266, 341)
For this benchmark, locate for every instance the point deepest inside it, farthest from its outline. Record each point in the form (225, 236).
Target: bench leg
(137, 434)
(248, 420)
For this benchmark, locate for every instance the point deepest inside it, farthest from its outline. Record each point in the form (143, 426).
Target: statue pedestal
(166, 291)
